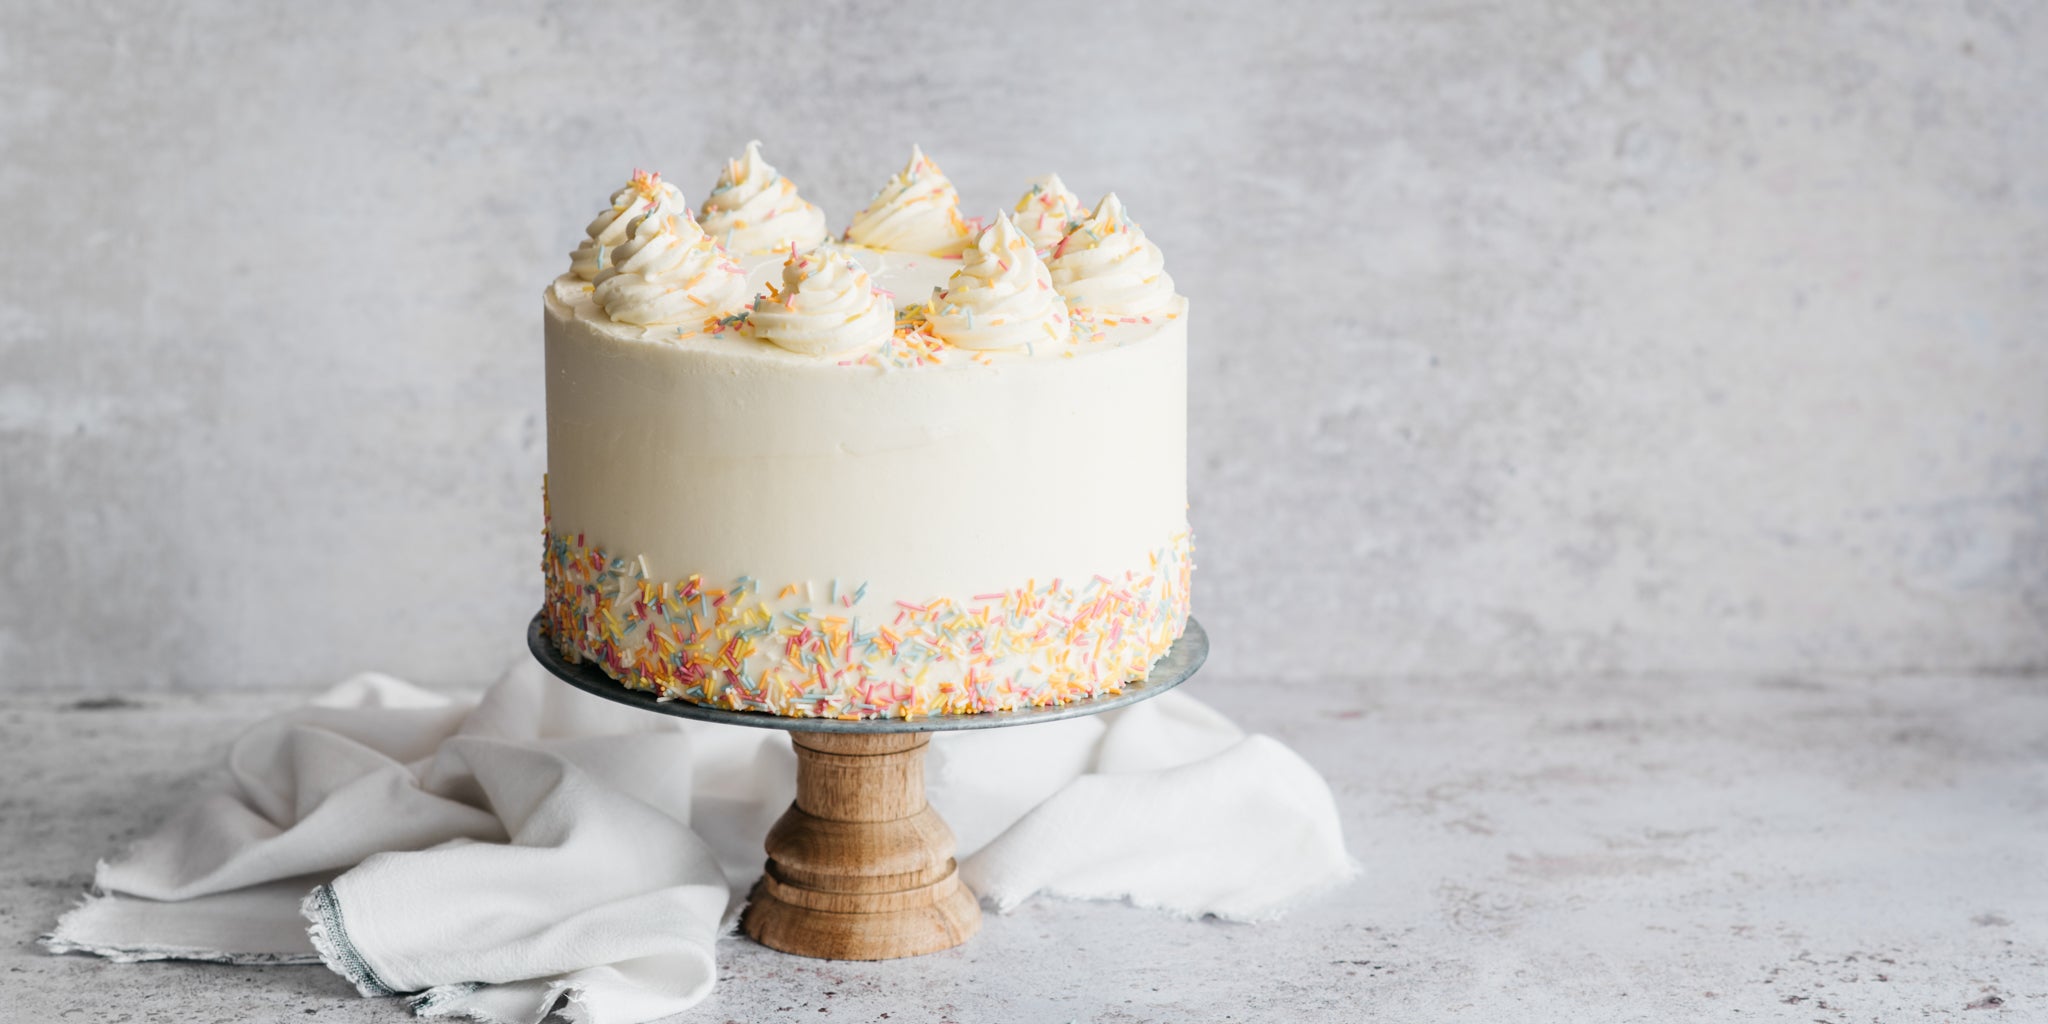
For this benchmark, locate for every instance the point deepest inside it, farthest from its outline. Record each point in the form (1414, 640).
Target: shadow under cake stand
(860, 867)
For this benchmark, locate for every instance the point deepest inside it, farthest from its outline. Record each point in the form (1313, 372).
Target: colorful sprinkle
(1024, 647)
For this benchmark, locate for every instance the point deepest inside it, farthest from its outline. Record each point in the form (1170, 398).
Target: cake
(933, 466)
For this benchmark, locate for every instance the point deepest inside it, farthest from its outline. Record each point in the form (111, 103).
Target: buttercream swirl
(646, 193)
(917, 211)
(1106, 266)
(1048, 211)
(756, 210)
(827, 305)
(1001, 297)
(668, 271)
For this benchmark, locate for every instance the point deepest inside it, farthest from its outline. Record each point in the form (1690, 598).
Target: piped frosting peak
(646, 193)
(1048, 211)
(1001, 297)
(918, 210)
(668, 271)
(827, 305)
(754, 209)
(1106, 265)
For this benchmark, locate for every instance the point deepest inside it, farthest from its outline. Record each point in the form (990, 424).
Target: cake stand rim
(1176, 666)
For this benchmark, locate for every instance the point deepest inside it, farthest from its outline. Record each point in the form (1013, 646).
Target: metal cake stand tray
(1174, 667)
(861, 867)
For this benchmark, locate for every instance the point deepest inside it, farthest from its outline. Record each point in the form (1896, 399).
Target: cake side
(987, 535)
(718, 459)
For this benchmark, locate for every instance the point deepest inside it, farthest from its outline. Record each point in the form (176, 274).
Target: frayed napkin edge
(324, 926)
(54, 943)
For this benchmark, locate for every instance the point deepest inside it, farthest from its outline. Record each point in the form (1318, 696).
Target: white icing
(725, 456)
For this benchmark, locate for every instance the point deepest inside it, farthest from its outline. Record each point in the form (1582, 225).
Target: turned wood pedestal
(860, 867)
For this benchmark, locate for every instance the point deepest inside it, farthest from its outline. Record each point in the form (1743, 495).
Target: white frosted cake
(933, 467)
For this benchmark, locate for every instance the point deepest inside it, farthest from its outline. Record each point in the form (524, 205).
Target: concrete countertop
(1800, 848)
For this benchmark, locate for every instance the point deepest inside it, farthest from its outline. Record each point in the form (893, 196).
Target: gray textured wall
(1531, 338)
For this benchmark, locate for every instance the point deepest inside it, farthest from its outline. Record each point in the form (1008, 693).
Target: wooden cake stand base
(861, 867)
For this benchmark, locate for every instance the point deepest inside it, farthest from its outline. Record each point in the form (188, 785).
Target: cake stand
(860, 867)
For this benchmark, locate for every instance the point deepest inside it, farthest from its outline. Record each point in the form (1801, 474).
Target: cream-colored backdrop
(1530, 338)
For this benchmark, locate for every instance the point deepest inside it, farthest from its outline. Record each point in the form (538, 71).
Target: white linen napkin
(542, 849)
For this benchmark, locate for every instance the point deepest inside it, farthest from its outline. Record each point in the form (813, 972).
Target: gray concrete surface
(1788, 847)
(1531, 339)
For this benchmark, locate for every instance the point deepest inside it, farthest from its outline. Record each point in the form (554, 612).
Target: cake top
(756, 267)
